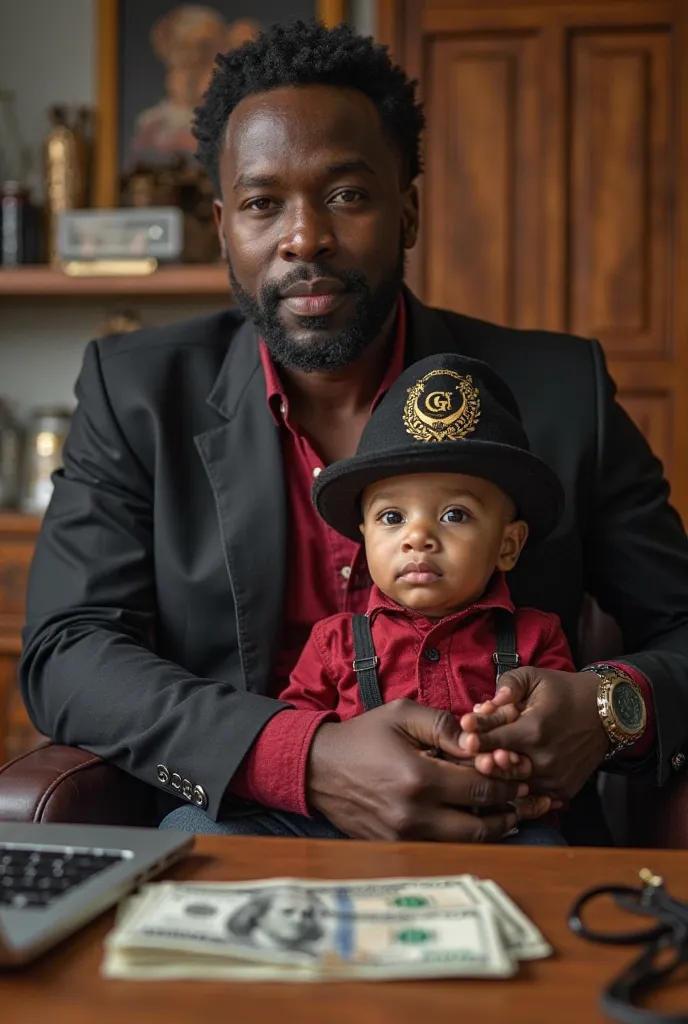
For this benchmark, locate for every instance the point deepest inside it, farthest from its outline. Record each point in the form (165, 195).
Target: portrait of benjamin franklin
(280, 919)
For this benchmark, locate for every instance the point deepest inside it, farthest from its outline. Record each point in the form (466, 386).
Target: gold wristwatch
(621, 707)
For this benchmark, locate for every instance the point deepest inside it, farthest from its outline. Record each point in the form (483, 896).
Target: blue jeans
(263, 822)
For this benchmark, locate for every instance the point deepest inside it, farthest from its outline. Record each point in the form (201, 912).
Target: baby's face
(433, 540)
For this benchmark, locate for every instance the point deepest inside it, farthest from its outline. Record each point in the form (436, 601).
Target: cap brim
(529, 481)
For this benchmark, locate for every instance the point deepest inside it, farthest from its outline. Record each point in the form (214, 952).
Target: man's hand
(559, 728)
(375, 777)
(502, 763)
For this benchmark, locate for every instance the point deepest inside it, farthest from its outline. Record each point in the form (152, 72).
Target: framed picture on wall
(155, 58)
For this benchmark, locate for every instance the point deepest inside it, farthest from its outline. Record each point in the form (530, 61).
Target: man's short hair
(310, 54)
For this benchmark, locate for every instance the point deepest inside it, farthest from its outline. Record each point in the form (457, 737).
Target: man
(181, 564)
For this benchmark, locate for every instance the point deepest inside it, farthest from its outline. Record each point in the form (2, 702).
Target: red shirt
(443, 664)
(326, 575)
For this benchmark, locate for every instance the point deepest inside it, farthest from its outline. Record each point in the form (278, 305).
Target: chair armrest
(65, 784)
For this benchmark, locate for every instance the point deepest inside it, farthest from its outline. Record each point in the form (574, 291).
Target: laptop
(55, 878)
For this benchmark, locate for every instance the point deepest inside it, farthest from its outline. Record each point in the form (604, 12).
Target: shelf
(184, 281)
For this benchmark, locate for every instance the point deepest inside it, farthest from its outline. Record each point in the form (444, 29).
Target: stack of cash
(290, 929)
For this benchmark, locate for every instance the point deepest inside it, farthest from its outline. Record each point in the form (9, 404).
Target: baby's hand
(498, 762)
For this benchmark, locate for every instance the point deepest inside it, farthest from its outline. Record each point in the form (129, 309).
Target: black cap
(444, 414)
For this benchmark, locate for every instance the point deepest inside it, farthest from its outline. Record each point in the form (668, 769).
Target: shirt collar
(274, 390)
(497, 595)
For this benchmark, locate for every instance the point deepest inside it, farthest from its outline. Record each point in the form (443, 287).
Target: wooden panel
(17, 734)
(483, 204)
(652, 411)
(620, 212)
(15, 558)
(17, 540)
(576, 123)
(8, 675)
(453, 15)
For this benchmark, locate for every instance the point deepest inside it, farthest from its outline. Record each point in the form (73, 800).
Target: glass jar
(43, 455)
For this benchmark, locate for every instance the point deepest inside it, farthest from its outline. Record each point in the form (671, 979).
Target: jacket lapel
(427, 333)
(243, 461)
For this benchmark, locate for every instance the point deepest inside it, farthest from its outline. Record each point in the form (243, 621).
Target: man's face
(289, 918)
(314, 220)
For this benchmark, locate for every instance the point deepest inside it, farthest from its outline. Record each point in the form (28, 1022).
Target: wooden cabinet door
(556, 185)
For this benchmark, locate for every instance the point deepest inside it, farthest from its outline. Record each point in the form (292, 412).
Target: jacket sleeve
(637, 568)
(274, 771)
(89, 673)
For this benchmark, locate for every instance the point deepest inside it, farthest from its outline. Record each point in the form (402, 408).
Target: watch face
(628, 706)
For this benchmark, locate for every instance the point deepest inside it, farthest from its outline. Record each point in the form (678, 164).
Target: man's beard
(331, 351)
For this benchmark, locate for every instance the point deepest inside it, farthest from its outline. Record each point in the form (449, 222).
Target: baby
(446, 493)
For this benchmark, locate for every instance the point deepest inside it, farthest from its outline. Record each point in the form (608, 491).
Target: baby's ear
(361, 527)
(513, 541)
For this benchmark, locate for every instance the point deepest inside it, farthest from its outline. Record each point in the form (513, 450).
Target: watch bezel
(609, 678)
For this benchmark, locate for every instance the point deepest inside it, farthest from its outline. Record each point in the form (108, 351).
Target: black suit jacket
(155, 595)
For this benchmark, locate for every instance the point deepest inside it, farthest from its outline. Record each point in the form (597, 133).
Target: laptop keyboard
(35, 876)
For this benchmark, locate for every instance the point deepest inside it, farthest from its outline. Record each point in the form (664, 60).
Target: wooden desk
(65, 987)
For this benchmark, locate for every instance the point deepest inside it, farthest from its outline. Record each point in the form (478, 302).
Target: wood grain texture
(17, 540)
(621, 187)
(106, 155)
(556, 185)
(189, 281)
(484, 210)
(65, 985)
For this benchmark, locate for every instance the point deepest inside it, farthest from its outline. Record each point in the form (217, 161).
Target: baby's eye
(391, 518)
(455, 515)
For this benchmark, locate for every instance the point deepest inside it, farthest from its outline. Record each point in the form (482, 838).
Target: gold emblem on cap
(431, 414)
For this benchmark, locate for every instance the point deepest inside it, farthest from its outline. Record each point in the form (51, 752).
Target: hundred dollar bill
(288, 929)
(523, 940)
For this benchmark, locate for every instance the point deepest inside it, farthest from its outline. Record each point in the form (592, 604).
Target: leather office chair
(64, 784)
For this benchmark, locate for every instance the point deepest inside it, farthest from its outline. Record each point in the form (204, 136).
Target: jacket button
(176, 781)
(678, 761)
(187, 789)
(199, 797)
(163, 774)
(432, 654)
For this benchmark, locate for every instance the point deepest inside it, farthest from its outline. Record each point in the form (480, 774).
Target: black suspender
(366, 661)
(505, 657)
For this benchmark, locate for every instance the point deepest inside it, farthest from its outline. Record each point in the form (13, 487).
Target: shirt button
(345, 572)
(317, 471)
(678, 761)
(200, 797)
(432, 654)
